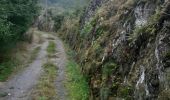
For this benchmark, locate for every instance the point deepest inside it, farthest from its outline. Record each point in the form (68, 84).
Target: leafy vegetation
(15, 18)
(6, 68)
(58, 21)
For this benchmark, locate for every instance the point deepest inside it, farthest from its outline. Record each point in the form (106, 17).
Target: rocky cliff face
(124, 49)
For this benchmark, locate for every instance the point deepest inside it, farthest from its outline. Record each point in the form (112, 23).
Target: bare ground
(61, 63)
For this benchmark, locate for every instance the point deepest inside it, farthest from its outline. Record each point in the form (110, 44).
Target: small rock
(9, 94)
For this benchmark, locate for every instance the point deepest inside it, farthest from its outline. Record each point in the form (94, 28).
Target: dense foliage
(58, 21)
(15, 18)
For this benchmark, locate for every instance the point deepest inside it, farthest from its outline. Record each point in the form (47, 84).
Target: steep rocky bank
(123, 47)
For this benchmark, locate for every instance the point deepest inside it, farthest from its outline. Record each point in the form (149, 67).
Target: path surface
(20, 86)
(61, 63)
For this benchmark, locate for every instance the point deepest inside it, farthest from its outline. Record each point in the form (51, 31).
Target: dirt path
(61, 63)
(20, 86)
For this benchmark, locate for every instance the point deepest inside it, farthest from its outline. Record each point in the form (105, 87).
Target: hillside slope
(67, 4)
(124, 48)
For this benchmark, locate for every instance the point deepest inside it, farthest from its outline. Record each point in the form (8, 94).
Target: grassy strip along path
(45, 89)
(62, 78)
(76, 83)
(51, 49)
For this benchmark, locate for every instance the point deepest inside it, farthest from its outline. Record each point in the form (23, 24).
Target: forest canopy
(15, 18)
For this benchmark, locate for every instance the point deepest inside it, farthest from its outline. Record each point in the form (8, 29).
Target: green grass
(45, 89)
(76, 84)
(51, 47)
(6, 68)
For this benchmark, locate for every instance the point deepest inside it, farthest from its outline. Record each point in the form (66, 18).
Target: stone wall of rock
(124, 49)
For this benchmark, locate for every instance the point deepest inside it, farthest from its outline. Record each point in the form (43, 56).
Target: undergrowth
(6, 68)
(76, 84)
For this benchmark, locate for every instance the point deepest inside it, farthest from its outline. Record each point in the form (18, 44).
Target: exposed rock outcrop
(124, 49)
